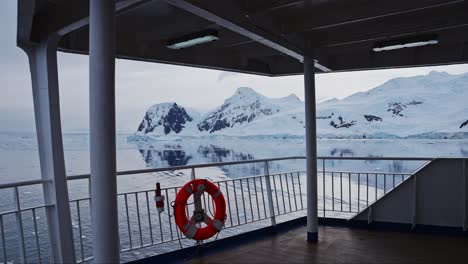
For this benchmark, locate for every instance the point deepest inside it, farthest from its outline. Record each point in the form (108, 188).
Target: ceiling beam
(120, 8)
(202, 56)
(443, 54)
(24, 21)
(365, 12)
(69, 16)
(269, 7)
(240, 25)
(408, 24)
(370, 18)
(389, 36)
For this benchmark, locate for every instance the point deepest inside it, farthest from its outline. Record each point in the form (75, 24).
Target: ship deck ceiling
(340, 34)
(346, 245)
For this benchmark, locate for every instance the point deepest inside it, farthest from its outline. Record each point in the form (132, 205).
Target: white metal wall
(435, 196)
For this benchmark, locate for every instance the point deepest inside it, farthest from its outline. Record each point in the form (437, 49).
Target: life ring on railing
(191, 227)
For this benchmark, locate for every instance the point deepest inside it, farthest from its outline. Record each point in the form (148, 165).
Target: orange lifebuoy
(191, 226)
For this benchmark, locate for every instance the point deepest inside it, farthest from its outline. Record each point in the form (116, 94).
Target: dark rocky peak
(464, 124)
(371, 118)
(342, 123)
(170, 116)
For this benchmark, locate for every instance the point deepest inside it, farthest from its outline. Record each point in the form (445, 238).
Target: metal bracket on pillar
(45, 86)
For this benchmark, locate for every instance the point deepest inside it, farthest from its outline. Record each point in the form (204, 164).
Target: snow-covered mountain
(247, 112)
(166, 118)
(433, 105)
(429, 106)
(243, 114)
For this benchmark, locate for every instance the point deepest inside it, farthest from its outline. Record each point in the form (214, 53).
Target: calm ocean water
(19, 158)
(19, 161)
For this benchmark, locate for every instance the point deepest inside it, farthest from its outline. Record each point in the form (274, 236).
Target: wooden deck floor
(345, 245)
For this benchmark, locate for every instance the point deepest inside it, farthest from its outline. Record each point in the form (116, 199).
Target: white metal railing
(257, 199)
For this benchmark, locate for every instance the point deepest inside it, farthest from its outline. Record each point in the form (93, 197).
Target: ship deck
(346, 245)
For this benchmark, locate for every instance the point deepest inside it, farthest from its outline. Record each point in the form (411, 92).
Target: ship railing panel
(251, 202)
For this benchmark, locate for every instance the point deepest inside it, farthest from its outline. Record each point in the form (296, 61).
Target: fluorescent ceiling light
(193, 39)
(406, 45)
(192, 42)
(412, 42)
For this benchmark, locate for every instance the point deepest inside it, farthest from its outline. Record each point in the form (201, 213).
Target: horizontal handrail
(374, 158)
(14, 211)
(185, 167)
(23, 183)
(366, 172)
(215, 164)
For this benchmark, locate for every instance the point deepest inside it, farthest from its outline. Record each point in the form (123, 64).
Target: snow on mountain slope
(248, 112)
(432, 104)
(429, 106)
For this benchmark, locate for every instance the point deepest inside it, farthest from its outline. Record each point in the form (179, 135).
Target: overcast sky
(141, 84)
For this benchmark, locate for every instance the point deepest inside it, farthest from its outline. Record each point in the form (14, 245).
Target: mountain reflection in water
(159, 154)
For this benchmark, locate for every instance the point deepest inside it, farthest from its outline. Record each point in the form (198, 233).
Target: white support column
(44, 79)
(311, 149)
(104, 213)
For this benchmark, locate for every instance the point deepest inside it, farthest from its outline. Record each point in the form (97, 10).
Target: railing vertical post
(89, 189)
(333, 190)
(2, 230)
(367, 189)
(323, 196)
(415, 201)
(269, 194)
(45, 86)
(19, 226)
(465, 193)
(192, 174)
(359, 193)
(196, 202)
(311, 148)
